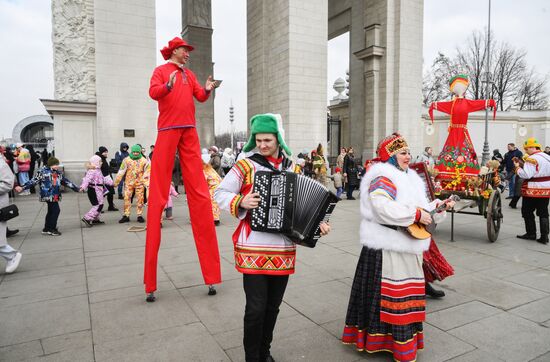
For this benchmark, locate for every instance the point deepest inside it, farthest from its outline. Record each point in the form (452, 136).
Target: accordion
(291, 204)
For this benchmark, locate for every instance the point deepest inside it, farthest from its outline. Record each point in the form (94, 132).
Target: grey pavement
(79, 296)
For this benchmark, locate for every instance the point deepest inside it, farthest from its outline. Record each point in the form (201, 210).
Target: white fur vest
(410, 193)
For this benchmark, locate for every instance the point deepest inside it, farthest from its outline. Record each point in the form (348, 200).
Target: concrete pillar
(104, 55)
(197, 31)
(287, 66)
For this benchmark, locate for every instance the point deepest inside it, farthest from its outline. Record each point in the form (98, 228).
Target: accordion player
(291, 204)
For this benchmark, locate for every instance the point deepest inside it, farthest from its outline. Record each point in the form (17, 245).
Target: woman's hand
(425, 218)
(450, 205)
(325, 228)
(250, 201)
(18, 189)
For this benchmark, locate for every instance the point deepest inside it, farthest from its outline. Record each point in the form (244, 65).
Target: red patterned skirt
(435, 265)
(364, 326)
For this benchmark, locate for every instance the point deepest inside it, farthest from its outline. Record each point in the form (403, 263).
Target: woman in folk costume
(95, 184)
(265, 259)
(387, 302)
(458, 150)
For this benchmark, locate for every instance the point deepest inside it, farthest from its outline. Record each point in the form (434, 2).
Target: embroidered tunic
(255, 252)
(536, 172)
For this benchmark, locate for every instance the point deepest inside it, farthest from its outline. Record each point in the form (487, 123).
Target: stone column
(287, 66)
(197, 31)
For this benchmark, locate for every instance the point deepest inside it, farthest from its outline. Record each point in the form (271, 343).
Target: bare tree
(508, 71)
(531, 93)
(435, 83)
(512, 82)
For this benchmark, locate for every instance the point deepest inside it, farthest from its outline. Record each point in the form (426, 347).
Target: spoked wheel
(494, 216)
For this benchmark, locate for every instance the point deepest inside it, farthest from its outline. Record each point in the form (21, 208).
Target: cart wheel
(494, 216)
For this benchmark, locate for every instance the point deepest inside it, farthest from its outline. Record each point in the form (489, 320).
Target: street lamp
(485, 154)
(231, 120)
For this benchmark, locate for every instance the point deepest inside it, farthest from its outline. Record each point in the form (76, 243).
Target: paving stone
(440, 346)
(106, 261)
(21, 352)
(476, 356)
(537, 311)
(509, 337)
(189, 275)
(67, 342)
(41, 289)
(135, 291)
(41, 261)
(460, 315)
(322, 302)
(44, 319)
(521, 255)
(191, 342)
(286, 325)
(536, 279)
(507, 269)
(544, 358)
(119, 276)
(124, 317)
(43, 244)
(495, 292)
(314, 344)
(20, 274)
(85, 354)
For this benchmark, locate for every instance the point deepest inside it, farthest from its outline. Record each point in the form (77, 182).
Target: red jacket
(176, 105)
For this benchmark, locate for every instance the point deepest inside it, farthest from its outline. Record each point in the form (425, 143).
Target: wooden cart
(489, 207)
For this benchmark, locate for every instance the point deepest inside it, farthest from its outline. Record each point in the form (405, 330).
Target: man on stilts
(173, 86)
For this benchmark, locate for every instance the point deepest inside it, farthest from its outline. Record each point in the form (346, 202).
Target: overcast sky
(26, 70)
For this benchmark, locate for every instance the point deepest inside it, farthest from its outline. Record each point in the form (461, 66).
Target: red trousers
(198, 198)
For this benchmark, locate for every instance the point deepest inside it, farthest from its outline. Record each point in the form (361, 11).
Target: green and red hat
(267, 123)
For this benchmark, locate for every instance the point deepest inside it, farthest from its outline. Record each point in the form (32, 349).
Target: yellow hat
(531, 142)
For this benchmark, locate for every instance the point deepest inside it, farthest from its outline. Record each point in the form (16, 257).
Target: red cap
(390, 146)
(174, 44)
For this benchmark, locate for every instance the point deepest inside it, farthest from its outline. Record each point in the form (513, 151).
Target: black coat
(350, 168)
(105, 169)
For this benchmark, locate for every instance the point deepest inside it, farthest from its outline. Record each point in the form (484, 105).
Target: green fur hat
(267, 123)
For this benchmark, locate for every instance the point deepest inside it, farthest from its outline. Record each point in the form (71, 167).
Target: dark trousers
(110, 196)
(350, 188)
(532, 204)
(264, 294)
(51, 216)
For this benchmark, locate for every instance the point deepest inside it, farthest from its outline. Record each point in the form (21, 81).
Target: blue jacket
(50, 184)
(508, 156)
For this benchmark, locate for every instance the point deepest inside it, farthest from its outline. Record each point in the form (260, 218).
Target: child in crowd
(132, 170)
(170, 203)
(50, 179)
(338, 180)
(94, 182)
(213, 180)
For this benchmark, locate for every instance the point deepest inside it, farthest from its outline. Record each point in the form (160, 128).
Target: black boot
(531, 230)
(434, 293)
(11, 232)
(150, 297)
(544, 229)
(513, 204)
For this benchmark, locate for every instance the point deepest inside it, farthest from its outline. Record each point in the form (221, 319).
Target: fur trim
(410, 191)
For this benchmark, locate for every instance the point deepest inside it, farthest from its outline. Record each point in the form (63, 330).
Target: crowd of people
(387, 303)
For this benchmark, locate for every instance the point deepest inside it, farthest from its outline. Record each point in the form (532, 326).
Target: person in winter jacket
(94, 183)
(510, 168)
(132, 172)
(23, 165)
(106, 171)
(215, 160)
(119, 156)
(11, 255)
(350, 173)
(50, 178)
(338, 180)
(228, 160)
(170, 203)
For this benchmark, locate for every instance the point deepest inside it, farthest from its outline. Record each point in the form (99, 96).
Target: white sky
(26, 70)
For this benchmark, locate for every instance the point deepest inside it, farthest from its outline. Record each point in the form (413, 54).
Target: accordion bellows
(291, 204)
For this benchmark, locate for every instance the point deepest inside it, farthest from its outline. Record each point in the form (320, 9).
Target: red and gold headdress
(390, 146)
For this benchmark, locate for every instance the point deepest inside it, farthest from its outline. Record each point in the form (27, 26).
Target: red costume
(176, 131)
(459, 149)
